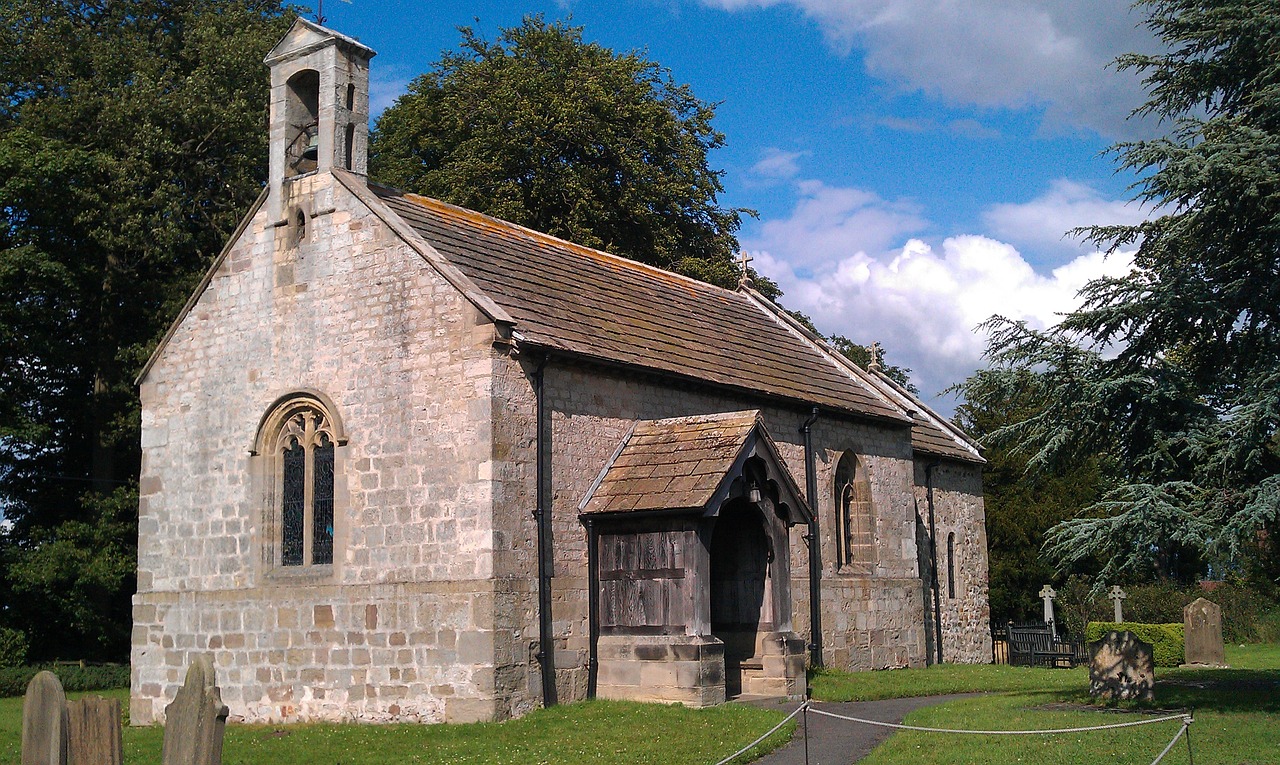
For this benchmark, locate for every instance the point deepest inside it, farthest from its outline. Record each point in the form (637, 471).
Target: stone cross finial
(1047, 593)
(744, 278)
(874, 365)
(1117, 595)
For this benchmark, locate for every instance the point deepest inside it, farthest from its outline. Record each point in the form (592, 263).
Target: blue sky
(915, 163)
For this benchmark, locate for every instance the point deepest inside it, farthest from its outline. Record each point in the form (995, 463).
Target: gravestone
(1123, 668)
(195, 721)
(1117, 595)
(44, 722)
(1047, 594)
(93, 726)
(1202, 630)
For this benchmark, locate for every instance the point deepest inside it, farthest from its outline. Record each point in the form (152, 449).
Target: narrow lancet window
(322, 502)
(293, 503)
(951, 565)
(856, 526)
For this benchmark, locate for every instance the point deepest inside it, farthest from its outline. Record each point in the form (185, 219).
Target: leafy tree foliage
(567, 137)
(1020, 508)
(1173, 371)
(132, 140)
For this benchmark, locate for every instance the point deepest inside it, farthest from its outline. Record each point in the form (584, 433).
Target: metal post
(805, 715)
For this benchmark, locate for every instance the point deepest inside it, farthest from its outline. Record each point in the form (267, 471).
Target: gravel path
(839, 742)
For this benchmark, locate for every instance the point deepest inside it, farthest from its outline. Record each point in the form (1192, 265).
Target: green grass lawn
(1237, 714)
(588, 732)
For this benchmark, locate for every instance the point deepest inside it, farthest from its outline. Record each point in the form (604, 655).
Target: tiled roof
(571, 298)
(669, 464)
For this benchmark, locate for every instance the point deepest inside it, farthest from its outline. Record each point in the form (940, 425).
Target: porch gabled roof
(690, 463)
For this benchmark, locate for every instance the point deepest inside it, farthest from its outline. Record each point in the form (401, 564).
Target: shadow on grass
(1221, 690)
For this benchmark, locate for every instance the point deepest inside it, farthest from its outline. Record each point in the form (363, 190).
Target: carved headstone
(1123, 668)
(1117, 595)
(1047, 594)
(1202, 630)
(195, 721)
(94, 732)
(44, 722)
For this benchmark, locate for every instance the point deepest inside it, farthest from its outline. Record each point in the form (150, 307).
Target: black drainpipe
(933, 554)
(593, 608)
(815, 556)
(543, 515)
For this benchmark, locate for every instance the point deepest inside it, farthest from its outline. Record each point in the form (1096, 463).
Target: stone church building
(403, 461)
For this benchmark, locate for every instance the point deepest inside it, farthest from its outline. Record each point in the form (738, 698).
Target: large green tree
(1020, 508)
(132, 140)
(567, 137)
(1173, 370)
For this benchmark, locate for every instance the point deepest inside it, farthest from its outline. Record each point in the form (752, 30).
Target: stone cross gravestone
(44, 722)
(1047, 594)
(93, 726)
(1116, 596)
(1123, 668)
(195, 721)
(1202, 631)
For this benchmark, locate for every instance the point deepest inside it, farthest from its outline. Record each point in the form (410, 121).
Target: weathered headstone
(1116, 596)
(44, 722)
(1202, 631)
(94, 732)
(1123, 668)
(195, 721)
(1047, 593)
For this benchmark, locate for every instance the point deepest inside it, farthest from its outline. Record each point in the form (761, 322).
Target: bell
(311, 152)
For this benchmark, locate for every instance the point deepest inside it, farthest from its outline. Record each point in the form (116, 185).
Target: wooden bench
(1034, 645)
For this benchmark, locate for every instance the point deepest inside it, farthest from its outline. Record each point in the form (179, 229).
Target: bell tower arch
(319, 106)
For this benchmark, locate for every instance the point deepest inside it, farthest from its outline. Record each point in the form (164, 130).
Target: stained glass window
(306, 453)
(322, 503)
(293, 504)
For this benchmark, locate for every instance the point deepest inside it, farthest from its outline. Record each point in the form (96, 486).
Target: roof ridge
(819, 344)
(499, 223)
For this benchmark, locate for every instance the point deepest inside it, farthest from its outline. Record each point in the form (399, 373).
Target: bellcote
(319, 105)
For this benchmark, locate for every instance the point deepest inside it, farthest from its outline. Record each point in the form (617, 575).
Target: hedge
(101, 677)
(1167, 640)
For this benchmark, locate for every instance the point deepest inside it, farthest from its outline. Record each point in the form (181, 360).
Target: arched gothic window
(856, 542)
(298, 438)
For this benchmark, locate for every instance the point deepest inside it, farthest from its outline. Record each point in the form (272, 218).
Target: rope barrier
(1186, 723)
(897, 726)
(803, 706)
(807, 706)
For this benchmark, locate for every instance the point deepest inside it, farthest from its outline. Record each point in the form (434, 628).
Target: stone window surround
(843, 480)
(267, 470)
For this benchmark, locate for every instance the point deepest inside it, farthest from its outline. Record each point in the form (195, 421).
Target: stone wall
(340, 306)
(959, 510)
(872, 621)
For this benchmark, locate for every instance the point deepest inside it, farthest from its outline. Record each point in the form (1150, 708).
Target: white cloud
(777, 164)
(1001, 53)
(1042, 224)
(386, 84)
(844, 258)
(829, 223)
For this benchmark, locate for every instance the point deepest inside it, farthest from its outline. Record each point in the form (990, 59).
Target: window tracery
(299, 438)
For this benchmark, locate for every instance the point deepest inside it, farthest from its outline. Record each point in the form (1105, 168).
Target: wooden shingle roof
(693, 463)
(676, 463)
(570, 298)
